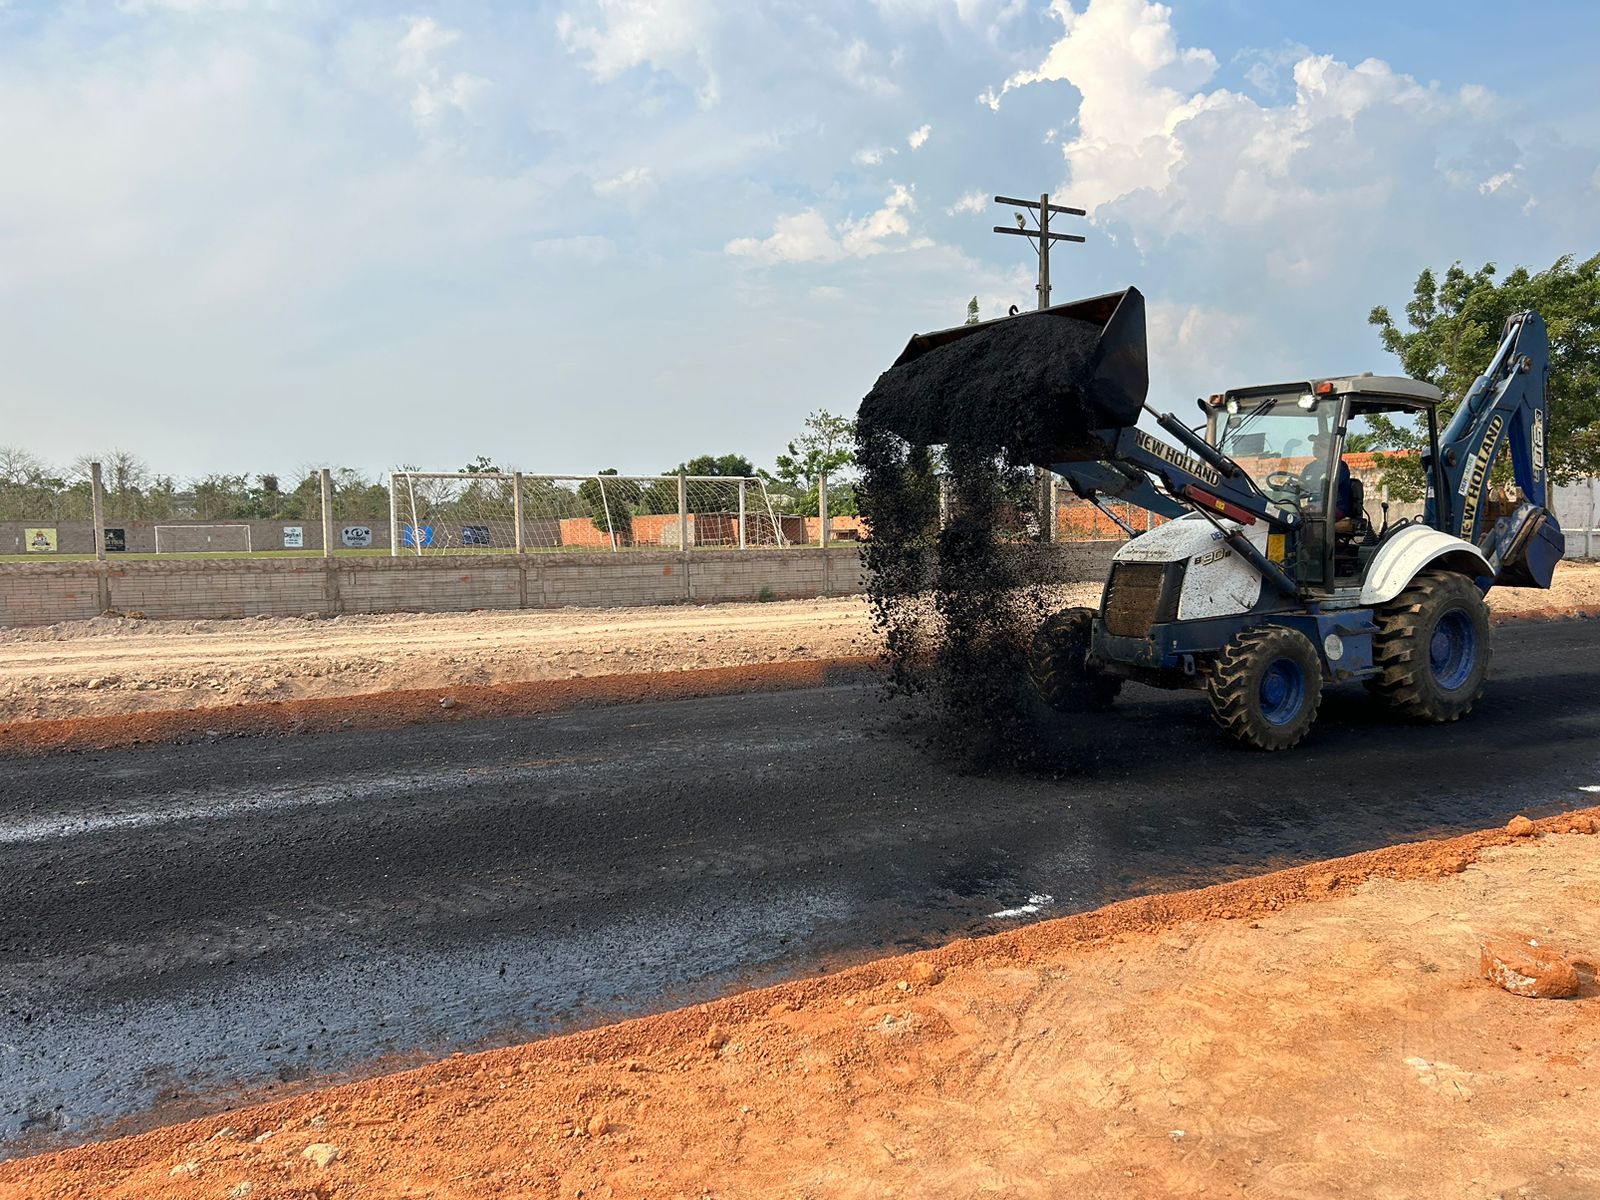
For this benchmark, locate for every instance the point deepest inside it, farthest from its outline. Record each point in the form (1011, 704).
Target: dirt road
(116, 665)
(1314, 1033)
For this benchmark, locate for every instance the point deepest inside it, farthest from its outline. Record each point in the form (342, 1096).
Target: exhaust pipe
(1050, 386)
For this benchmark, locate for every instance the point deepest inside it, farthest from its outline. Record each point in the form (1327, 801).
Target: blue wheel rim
(1453, 650)
(1283, 691)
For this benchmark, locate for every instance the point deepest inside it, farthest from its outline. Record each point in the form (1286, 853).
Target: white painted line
(1590, 787)
(1034, 904)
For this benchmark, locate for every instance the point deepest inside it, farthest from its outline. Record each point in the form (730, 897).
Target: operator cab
(1290, 440)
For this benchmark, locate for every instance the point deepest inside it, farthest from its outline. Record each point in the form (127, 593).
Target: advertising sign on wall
(40, 541)
(475, 535)
(294, 537)
(413, 535)
(116, 541)
(358, 537)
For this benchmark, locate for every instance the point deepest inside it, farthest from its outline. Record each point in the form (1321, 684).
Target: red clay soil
(1284, 1036)
(389, 710)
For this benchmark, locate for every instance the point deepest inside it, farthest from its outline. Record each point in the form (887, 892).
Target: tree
(972, 312)
(826, 446)
(715, 464)
(221, 497)
(482, 465)
(611, 509)
(1455, 324)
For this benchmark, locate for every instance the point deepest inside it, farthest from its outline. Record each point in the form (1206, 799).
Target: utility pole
(1042, 236)
(1044, 482)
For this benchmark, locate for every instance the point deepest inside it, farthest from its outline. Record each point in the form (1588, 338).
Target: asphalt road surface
(183, 925)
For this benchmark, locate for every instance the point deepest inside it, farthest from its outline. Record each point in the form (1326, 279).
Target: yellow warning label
(1277, 547)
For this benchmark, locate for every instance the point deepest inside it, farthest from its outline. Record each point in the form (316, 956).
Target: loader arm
(1204, 480)
(1508, 405)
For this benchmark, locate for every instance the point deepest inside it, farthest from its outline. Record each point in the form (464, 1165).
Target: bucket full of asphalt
(950, 441)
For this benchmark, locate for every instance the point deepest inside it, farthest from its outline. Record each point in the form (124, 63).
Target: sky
(256, 235)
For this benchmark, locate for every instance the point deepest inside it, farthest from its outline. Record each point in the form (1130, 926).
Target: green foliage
(841, 500)
(482, 465)
(827, 444)
(972, 313)
(714, 464)
(618, 499)
(1455, 324)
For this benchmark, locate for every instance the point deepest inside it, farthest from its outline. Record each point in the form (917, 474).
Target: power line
(1042, 237)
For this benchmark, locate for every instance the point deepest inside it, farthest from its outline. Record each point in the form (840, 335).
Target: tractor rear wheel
(1058, 664)
(1265, 687)
(1432, 648)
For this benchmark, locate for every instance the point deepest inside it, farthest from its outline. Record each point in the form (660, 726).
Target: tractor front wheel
(1058, 665)
(1432, 648)
(1265, 687)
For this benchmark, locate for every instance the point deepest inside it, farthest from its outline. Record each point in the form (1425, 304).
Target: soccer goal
(203, 539)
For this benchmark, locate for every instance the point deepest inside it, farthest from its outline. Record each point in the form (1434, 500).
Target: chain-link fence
(451, 512)
(416, 513)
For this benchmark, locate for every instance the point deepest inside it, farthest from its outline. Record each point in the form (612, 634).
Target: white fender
(1400, 558)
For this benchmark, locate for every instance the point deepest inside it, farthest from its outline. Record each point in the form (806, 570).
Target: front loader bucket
(1038, 384)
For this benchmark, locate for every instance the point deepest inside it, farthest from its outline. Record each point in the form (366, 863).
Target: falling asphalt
(185, 926)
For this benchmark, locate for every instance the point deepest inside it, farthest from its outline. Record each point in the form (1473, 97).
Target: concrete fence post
(325, 476)
(98, 493)
(1588, 532)
(394, 520)
(743, 543)
(516, 509)
(683, 512)
(823, 525)
(102, 578)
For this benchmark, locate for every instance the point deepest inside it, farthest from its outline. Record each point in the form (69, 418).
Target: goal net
(202, 539)
(436, 512)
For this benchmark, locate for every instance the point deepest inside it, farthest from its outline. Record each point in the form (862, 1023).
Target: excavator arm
(1506, 407)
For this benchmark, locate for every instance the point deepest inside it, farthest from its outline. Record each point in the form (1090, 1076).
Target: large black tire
(1265, 687)
(1432, 648)
(1058, 664)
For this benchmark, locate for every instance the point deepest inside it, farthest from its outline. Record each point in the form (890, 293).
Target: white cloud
(416, 63)
(806, 237)
(859, 64)
(668, 35)
(969, 202)
(588, 249)
(1322, 192)
(871, 156)
(635, 182)
(1157, 152)
(983, 13)
(188, 7)
(799, 238)
(919, 136)
(868, 235)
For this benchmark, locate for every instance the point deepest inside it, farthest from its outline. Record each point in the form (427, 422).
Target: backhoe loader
(1269, 579)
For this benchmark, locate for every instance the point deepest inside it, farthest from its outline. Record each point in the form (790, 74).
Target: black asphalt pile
(959, 582)
(1016, 384)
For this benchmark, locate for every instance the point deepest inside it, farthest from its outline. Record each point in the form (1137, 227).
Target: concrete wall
(42, 593)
